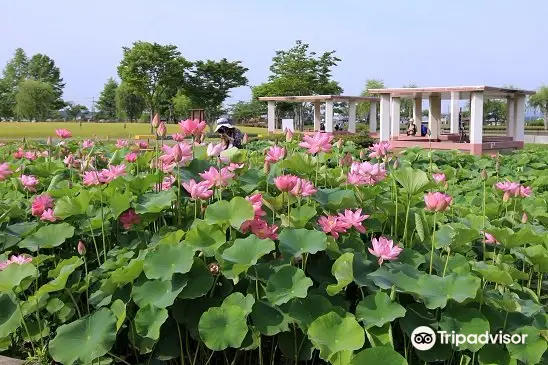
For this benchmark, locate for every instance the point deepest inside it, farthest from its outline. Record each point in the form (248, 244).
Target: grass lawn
(11, 130)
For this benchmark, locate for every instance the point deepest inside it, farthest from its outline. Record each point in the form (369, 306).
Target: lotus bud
(213, 268)
(81, 248)
(245, 139)
(266, 167)
(162, 129)
(288, 135)
(155, 121)
(339, 143)
(483, 174)
(524, 218)
(346, 160)
(177, 153)
(396, 164)
(202, 138)
(49, 141)
(362, 155)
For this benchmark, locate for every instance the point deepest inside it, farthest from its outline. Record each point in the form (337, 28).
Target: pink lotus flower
(379, 150)
(199, 190)
(142, 145)
(178, 137)
(178, 154)
(40, 204)
(286, 182)
(113, 172)
(87, 143)
(30, 155)
(81, 248)
(275, 154)
(347, 160)
(191, 127)
(525, 191)
(48, 215)
(439, 178)
(129, 218)
(489, 238)
(215, 177)
(166, 184)
(234, 166)
(121, 143)
(15, 259)
(245, 139)
(155, 121)
(365, 173)
(5, 171)
(63, 133)
(29, 182)
(92, 178)
(353, 219)
(18, 154)
(214, 150)
(320, 142)
(384, 249)
(69, 160)
(437, 202)
(162, 130)
(260, 228)
(303, 187)
(256, 201)
(509, 188)
(332, 225)
(288, 135)
(131, 157)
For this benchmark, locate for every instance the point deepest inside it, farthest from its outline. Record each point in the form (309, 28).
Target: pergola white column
(476, 118)
(329, 116)
(455, 99)
(373, 117)
(395, 117)
(519, 117)
(434, 115)
(317, 115)
(271, 116)
(352, 117)
(384, 134)
(510, 117)
(417, 112)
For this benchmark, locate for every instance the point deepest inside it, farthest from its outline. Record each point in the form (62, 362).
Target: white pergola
(329, 100)
(390, 100)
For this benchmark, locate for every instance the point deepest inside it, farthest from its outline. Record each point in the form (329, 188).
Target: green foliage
(107, 100)
(129, 104)
(34, 100)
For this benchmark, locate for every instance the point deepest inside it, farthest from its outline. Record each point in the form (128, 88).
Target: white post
(417, 113)
(317, 115)
(395, 117)
(476, 119)
(329, 116)
(373, 116)
(455, 99)
(352, 117)
(434, 116)
(384, 134)
(510, 117)
(271, 116)
(519, 116)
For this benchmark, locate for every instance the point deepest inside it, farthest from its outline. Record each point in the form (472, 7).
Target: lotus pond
(303, 252)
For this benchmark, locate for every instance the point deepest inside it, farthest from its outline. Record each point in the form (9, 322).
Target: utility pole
(93, 109)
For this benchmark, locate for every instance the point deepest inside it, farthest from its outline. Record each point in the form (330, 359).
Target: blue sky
(428, 42)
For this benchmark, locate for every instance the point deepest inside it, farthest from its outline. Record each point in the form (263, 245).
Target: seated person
(411, 128)
(230, 136)
(424, 130)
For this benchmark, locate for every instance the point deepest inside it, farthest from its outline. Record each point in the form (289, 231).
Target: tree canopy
(34, 100)
(540, 101)
(129, 104)
(107, 100)
(74, 110)
(362, 110)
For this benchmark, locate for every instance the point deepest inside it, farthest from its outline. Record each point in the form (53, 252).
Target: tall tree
(246, 110)
(407, 105)
(74, 110)
(107, 100)
(494, 110)
(129, 103)
(540, 101)
(42, 68)
(363, 108)
(34, 100)
(16, 70)
(154, 71)
(208, 83)
(181, 106)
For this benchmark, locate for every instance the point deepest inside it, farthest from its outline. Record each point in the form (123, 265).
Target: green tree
(74, 110)
(362, 110)
(208, 83)
(129, 103)
(181, 105)
(494, 110)
(153, 71)
(539, 101)
(16, 70)
(407, 105)
(42, 68)
(243, 111)
(34, 100)
(107, 100)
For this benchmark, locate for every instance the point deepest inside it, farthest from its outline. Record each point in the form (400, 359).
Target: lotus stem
(433, 244)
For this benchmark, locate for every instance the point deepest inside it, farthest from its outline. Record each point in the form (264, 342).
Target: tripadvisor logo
(424, 338)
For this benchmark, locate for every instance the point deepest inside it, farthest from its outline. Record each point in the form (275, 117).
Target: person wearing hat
(411, 128)
(230, 135)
